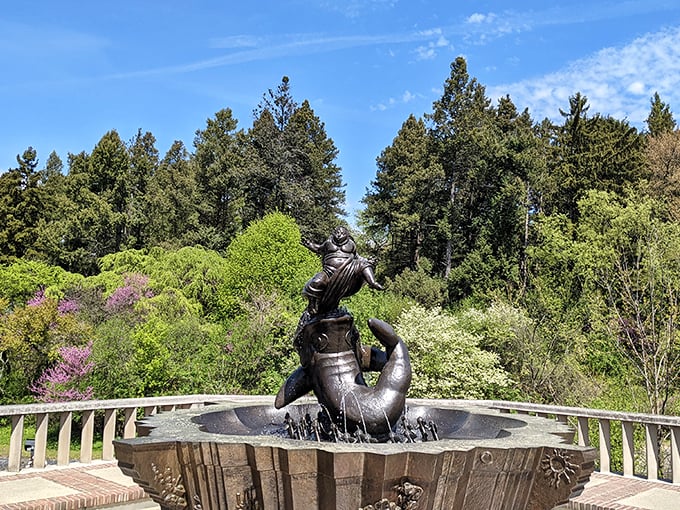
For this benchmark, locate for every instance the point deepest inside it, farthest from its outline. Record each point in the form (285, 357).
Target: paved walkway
(96, 485)
(612, 492)
(103, 485)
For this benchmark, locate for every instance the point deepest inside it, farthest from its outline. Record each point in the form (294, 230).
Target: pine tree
(660, 119)
(220, 179)
(399, 204)
(292, 168)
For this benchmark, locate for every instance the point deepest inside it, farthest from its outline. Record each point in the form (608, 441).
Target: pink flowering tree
(123, 299)
(65, 381)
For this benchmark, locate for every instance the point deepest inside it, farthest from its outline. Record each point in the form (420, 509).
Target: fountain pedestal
(227, 457)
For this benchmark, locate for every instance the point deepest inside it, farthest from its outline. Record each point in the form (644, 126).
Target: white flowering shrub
(447, 360)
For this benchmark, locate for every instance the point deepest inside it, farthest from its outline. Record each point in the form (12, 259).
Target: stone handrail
(128, 408)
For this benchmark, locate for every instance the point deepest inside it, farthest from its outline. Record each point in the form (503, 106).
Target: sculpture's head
(340, 235)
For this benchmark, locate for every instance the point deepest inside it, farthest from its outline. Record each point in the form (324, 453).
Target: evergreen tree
(399, 203)
(53, 170)
(596, 152)
(173, 200)
(460, 119)
(143, 165)
(220, 179)
(108, 173)
(660, 119)
(22, 204)
(293, 168)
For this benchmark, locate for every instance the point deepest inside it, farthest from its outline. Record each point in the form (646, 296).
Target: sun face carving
(558, 468)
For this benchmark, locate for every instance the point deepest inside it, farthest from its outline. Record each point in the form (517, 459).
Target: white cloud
(425, 52)
(610, 79)
(478, 18)
(637, 87)
(429, 51)
(357, 8)
(392, 102)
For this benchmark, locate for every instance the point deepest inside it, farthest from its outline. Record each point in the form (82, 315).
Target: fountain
(384, 451)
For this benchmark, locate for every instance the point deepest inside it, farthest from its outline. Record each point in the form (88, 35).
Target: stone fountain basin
(257, 420)
(228, 456)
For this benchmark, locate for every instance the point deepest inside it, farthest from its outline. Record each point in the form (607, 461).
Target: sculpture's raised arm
(312, 246)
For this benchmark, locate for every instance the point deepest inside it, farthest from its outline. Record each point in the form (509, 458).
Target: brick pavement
(613, 492)
(85, 486)
(102, 484)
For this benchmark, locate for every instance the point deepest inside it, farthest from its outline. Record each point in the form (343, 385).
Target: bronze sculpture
(332, 358)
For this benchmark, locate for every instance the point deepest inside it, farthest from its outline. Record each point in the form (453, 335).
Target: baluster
(64, 446)
(652, 431)
(86, 436)
(16, 443)
(109, 432)
(605, 445)
(583, 434)
(41, 422)
(628, 448)
(129, 422)
(675, 453)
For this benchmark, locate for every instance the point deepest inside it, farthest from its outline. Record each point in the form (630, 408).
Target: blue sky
(74, 70)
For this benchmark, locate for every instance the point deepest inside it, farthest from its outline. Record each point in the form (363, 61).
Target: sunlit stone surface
(235, 456)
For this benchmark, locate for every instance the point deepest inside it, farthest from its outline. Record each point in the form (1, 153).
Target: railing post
(108, 434)
(149, 411)
(652, 431)
(628, 448)
(16, 443)
(562, 418)
(64, 445)
(605, 445)
(41, 422)
(129, 422)
(675, 453)
(86, 436)
(583, 437)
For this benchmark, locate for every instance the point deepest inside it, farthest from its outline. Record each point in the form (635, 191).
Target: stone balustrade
(121, 414)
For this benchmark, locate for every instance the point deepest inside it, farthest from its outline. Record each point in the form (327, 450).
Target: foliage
(30, 339)
(259, 355)
(267, 258)
(20, 280)
(447, 360)
(630, 255)
(63, 382)
(429, 291)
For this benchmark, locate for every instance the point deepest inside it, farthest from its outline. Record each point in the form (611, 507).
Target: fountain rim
(178, 426)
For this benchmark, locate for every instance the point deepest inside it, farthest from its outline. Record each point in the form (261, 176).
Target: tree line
(126, 196)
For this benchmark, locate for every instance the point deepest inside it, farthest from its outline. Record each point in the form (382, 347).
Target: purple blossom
(63, 381)
(38, 298)
(67, 306)
(124, 298)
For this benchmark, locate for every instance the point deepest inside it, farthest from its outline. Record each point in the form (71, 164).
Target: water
(322, 428)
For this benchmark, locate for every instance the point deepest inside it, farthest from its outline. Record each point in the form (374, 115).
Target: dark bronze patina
(332, 359)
